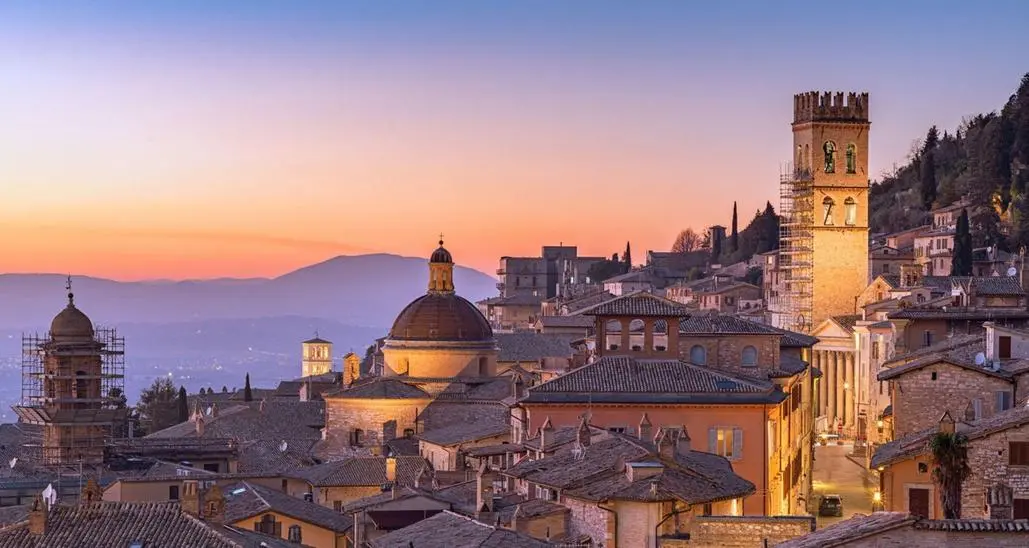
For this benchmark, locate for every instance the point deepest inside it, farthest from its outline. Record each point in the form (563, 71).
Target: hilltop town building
(317, 358)
(824, 206)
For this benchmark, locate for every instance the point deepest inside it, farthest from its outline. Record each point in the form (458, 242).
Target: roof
(915, 444)
(586, 301)
(117, 524)
(379, 388)
(640, 304)
(574, 320)
(463, 432)
(847, 321)
(718, 324)
(849, 531)
(959, 355)
(71, 324)
(596, 472)
(944, 345)
(245, 500)
(438, 316)
(623, 379)
(317, 340)
(273, 420)
(529, 346)
(449, 530)
(361, 471)
(725, 286)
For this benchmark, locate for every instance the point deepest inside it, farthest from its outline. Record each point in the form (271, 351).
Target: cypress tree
(927, 168)
(247, 394)
(183, 405)
(627, 257)
(734, 239)
(961, 263)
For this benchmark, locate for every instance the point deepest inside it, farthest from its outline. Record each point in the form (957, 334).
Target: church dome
(71, 323)
(441, 317)
(441, 255)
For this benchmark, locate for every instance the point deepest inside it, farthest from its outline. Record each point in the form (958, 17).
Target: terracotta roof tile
(851, 530)
(639, 304)
(361, 471)
(529, 346)
(449, 530)
(462, 432)
(245, 500)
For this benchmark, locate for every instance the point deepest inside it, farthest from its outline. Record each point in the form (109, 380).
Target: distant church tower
(824, 233)
(317, 358)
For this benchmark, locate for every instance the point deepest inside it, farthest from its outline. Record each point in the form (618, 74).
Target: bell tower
(317, 358)
(825, 207)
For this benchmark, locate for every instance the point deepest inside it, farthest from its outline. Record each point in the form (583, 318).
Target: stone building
(901, 529)
(842, 394)
(824, 244)
(317, 357)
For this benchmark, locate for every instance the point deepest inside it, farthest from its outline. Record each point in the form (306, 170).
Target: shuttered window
(725, 441)
(1018, 453)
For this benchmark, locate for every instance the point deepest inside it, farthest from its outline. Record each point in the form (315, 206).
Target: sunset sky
(191, 138)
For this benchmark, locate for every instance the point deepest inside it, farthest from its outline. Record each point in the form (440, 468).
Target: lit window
(850, 209)
(828, 206)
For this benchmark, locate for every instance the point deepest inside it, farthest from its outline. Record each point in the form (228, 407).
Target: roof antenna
(71, 296)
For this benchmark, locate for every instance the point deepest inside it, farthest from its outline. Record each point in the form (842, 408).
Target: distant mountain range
(209, 333)
(359, 290)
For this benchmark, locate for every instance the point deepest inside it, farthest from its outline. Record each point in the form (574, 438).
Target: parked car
(831, 505)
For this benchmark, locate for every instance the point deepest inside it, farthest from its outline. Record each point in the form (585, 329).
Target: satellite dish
(283, 446)
(1012, 271)
(980, 359)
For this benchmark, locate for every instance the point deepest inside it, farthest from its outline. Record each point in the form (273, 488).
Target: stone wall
(587, 519)
(344, 415)
(988, 458)
(746, 532)
(909, 537)
(726, 352)
(919, 401)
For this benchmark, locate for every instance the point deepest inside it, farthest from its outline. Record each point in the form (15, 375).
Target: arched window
(614, 329)
(850, 210)
(828, 205)
(851, 158)
(800, 157)
(698, 355)
(749, 356)
(829, 149)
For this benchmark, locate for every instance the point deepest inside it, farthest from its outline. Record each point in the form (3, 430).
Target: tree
(225, 389)
(950, 469)
(716, 246)
(927, 168)
(603, 270)
(961, 265)
(116, 398)
(686, 241)
(734, 238)
(627, 257)
(157, 407)
(248, 395)
(183, 405)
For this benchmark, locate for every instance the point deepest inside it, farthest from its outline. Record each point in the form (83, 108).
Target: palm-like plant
(950, 469)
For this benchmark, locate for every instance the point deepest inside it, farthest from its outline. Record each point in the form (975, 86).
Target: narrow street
(835, 474)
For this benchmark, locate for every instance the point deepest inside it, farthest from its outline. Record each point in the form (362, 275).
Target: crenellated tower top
(826, 106)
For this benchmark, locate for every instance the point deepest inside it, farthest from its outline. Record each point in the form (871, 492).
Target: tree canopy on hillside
(760, 235)
(985, 160)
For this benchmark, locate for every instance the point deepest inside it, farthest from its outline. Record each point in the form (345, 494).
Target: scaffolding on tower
(793, 309)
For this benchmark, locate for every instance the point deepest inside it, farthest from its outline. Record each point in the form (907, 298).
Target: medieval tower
(317, 357)
(824, 206)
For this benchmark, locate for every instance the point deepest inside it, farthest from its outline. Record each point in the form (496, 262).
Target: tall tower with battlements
(824, 207)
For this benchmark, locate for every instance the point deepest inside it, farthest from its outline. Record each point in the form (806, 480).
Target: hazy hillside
(986, 159)
(363, 290)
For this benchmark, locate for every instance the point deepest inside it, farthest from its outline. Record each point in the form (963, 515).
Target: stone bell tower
(317, 357)
(825, 207)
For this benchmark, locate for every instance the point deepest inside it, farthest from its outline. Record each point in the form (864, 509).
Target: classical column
(823, 393)
(830, 385)
(841, 397)
(850, 410)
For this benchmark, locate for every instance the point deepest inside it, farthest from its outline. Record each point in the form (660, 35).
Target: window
(727, 442)
(851, 158)
(173, 492)
(408, 432)
(294, 534)
(483, 367)
(211, 467)
(749, 356)
(886, 270)
(357, 437)
(934, 376)
(698, 355)
(1018, 453)
(827, 206)
(1003, 400)
(707, 509)
(268, 526)
(1021, 508)
(617, 429)
(1004, 350)
(927, 337)
(850, 210)
(337, 505)
(923, 468)
(875, 350)
(829, 150)
(977, 408)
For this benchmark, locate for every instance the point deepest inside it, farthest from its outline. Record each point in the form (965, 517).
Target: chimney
(582, 436)
(682, 442)
(189, 499)
(260, 408)
(546, 431)
(665, 444)
(199, 423)
(214, 505)
(1000, 502)
(947, 423)
(645, 428)
(519, 387)
(391, 469)
(38, 516)
(483, 490)
(214, 409)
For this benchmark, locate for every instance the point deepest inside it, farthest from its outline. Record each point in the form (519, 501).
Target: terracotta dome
(441, 317)
(71, 323)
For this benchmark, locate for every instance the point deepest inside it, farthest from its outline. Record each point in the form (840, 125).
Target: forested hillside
(985, 159)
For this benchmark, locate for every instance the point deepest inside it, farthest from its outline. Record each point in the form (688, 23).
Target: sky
(196, 139)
